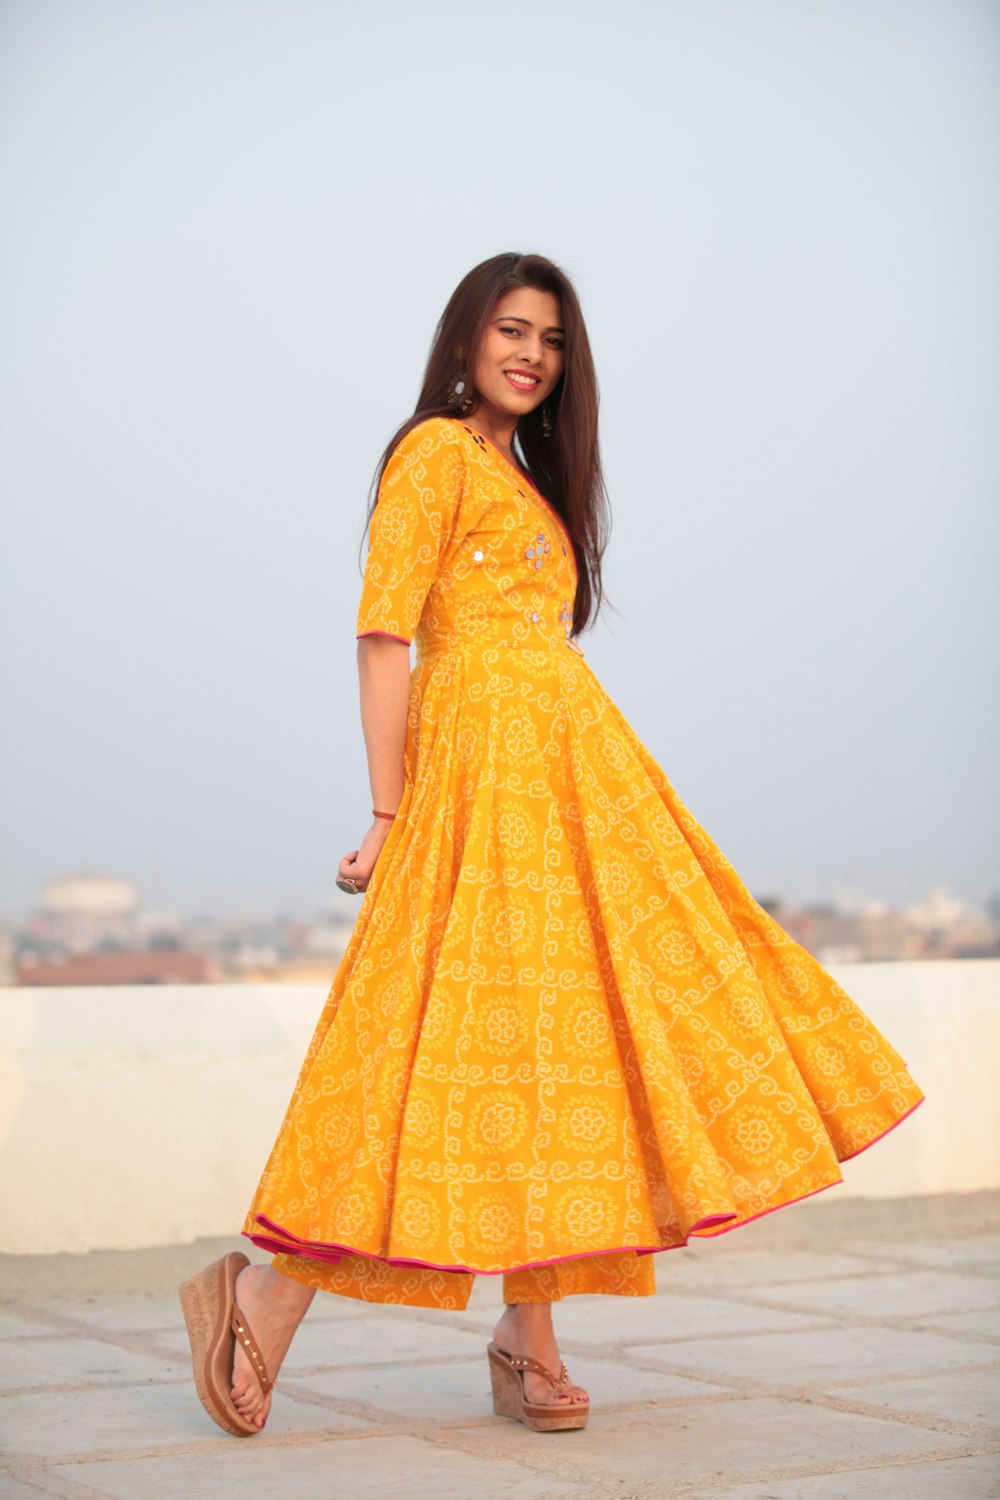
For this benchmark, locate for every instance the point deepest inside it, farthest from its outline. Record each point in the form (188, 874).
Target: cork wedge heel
(214, 1323)
(507, 1378)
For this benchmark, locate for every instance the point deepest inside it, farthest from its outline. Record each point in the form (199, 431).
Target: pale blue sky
(229, 230)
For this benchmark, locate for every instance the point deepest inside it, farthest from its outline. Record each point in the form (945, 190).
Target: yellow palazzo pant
(620, 1273)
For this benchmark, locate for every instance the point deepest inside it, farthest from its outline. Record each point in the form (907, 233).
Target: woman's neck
(499, 428)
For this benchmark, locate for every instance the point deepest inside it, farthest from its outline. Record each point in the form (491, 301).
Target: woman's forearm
(384, 678)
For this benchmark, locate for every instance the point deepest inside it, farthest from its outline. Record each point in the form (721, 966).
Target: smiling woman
(511, 354)
(564, 1036)
(521, 356)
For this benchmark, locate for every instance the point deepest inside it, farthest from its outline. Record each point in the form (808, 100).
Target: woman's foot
(525, 1330)
(274, 1306)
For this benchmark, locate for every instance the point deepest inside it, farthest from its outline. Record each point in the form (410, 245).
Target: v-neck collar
(532, 486)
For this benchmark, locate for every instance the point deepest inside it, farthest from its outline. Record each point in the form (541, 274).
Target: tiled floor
(831, 1352)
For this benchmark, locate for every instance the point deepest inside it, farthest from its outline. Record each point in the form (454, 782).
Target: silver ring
(345, 883)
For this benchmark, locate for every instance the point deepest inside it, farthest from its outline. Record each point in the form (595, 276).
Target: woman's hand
(384, 676)
(359, 864)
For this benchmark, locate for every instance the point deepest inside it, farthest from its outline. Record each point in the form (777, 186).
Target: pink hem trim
(714, 1233)
(387, 633)
(708, 1228)
(332, 1253)
(764, 1212)
(887, 1129)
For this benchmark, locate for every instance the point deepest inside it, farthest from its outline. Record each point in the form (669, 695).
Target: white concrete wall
(138, 1117)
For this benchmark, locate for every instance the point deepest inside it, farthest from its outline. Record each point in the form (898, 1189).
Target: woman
(563, 1035)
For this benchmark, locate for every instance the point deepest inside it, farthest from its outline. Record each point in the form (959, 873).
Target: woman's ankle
(536, 1316)
(286, 1296)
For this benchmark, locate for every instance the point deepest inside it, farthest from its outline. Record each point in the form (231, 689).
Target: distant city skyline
(91, 930)
(124, 899)
(226, 246)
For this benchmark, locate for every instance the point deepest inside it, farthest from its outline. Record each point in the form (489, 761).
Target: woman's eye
(553, 342)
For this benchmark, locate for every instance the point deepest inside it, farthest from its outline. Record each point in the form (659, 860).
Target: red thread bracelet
(390, 816)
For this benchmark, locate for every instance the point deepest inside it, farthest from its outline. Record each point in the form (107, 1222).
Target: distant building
(89, 929)
(156, 966)
(873, 931)
(86, 911)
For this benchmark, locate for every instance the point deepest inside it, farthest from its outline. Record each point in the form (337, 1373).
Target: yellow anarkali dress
(563, 1035)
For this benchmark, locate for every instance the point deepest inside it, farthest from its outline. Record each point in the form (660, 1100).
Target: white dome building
(85, 910)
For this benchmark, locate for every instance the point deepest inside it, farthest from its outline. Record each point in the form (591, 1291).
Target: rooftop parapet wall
(135, 1117)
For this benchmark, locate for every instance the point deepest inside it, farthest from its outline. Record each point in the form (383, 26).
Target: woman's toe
(245, 1400)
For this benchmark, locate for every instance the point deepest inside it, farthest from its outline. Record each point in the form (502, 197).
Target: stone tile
(454, 1392)
(49, 1361)
(389, 1468)
(726, 1268)
(583, 1322)
(957, 1395)
(140, 1312)
(684, 1316)
(705, 1442)
(19, 1325)
(708, 1441)
(461, 1392)
(828, 1354)
(328, 1307)
(142, 1416)
(480, 1322)
(487, 1292)
(980, 1253)
(378, 1340)
(373, 1340)
(896, 1294)
(984, 1321)
(954, 1478)
(16, 1489)
(132, 1313)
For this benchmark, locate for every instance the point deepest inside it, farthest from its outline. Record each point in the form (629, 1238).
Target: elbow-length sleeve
(416, 517)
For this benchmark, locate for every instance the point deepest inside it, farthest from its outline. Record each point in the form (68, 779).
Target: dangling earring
(546, 421)
(465, 402)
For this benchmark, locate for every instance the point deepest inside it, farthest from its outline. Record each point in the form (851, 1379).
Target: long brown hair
(566, 467)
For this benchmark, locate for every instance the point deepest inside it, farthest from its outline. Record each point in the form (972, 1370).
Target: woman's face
(521, 356)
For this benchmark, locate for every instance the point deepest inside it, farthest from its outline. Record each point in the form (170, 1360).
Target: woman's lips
(527, 383)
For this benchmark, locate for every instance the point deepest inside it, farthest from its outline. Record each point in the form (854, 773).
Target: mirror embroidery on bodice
(538, 548)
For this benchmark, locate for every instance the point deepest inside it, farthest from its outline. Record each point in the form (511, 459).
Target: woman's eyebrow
(527, 324)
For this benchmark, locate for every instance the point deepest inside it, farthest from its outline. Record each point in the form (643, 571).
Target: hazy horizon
(228, 234)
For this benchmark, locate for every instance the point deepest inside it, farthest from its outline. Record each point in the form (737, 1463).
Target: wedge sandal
(214, 1323)
(507, 1378)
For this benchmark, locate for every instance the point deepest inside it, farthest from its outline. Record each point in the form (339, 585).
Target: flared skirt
(562, 1027)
